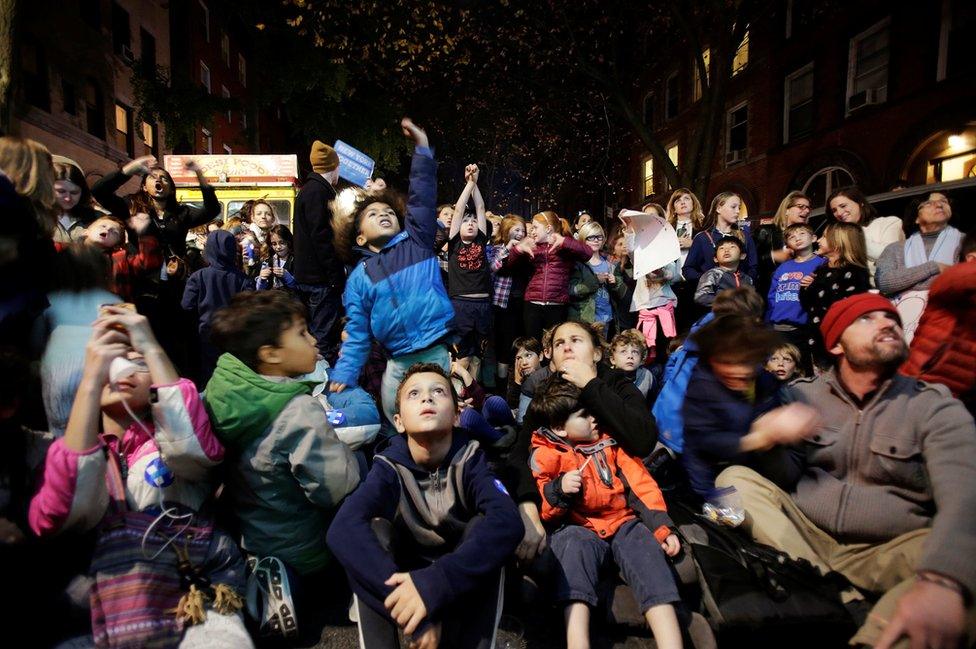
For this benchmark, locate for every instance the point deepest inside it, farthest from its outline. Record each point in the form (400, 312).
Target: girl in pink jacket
(552, 254)
(136, 460)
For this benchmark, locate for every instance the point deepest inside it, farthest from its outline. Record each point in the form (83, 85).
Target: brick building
(871, 93)
(73, 92)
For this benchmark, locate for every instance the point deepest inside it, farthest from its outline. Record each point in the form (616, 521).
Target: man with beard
(884, 492)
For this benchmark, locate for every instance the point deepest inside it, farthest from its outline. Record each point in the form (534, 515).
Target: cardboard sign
(655, 241)
(355, 166)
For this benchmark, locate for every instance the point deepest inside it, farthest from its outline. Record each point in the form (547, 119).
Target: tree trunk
(8, 15)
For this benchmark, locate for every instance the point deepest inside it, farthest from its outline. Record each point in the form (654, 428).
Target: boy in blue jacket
(395, 293)
(425, 538)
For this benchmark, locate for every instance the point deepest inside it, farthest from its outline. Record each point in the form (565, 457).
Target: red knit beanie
(843, 312)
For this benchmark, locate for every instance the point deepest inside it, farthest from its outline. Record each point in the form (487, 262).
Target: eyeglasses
(802, 206)
(596, 237)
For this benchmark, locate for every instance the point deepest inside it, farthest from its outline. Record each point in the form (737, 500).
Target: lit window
(707, 58)
(741, 58)
(673, 156)
(121, 119)
(867, 72)
(148, 135)
(648, 176)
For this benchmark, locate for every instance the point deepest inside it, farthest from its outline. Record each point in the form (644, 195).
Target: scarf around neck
(943, 251)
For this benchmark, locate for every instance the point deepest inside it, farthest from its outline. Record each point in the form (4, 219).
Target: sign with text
(234, 168)
(355, 166)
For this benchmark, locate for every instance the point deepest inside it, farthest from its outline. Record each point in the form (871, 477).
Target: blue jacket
(396, 295)
(701, 256)
(715, 419)
(211, 288)
(461, 566)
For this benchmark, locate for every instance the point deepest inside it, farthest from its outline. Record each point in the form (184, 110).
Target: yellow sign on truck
(238, 179)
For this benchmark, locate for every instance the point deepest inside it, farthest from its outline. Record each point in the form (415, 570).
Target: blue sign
(355, 166)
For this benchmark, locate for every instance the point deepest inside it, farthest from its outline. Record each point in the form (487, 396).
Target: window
(205, 76)
(242, 70)
(707, 58)
(36, 90)
(741, 58)
(648, 177)
(205, 22)
(673, 156)
(799, 16)
(736, 134)
(207, 140)
(671, 97)
(69, 101)
(244, 118)
(867, 71)
(147, 50)
(91, 13)
(958, 25)
(94, 110)
(225, 48)
(955, 167)
(227, 149)
(124, 139)
(121, 35)
(798, 104)
(823, 183)
(225, 93)
(648, 109)
(149, 137)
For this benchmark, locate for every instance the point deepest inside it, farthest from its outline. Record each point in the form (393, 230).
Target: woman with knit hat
(318, 270)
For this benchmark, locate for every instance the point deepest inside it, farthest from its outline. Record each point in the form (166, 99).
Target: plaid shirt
(502, 289)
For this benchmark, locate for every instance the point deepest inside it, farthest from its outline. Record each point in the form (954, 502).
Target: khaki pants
(774, 519)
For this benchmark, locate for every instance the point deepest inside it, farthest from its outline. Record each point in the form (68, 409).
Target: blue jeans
(582, 556)
(323, 304)
(396, 369)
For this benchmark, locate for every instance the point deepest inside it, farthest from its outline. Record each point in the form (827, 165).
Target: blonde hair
(847, 239)
(589, 229)
(697, 217)
(712, 218)
(779, 220)
(30, 168)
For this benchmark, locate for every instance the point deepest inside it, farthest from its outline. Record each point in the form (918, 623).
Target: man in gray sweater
(884, 492)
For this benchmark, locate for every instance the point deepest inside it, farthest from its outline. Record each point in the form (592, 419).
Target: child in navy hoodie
(211, 288)
(425, 538)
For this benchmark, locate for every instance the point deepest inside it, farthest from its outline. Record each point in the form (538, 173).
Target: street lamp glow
(956, 141)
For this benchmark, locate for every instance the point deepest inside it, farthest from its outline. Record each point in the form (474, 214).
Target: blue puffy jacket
(397, 295)
(670, 401)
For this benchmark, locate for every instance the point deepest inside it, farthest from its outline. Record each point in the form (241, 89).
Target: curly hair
(347, 213)
(630, 337)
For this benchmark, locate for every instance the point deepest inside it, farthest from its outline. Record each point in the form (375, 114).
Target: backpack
(745, 584)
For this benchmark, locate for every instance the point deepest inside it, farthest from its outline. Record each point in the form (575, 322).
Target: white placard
(655, 241)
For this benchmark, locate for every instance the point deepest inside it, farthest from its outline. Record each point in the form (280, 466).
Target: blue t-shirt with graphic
(784, 292)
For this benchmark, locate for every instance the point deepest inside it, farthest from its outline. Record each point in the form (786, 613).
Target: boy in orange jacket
(608, 505)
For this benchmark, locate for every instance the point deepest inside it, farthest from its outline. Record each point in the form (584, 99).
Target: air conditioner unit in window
(126, 53)
(735, 156)
(866, 98)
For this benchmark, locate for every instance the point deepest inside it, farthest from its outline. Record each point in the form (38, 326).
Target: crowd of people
(220, 432)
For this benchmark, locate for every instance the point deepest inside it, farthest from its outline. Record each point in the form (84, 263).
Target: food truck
(238, 179)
